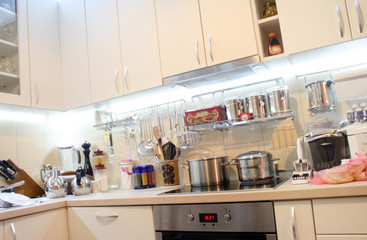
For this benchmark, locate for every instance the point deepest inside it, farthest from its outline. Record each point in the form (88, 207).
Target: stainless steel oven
(245, 221)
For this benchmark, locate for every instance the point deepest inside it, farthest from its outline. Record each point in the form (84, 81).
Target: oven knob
(227, 217)
(190, 217)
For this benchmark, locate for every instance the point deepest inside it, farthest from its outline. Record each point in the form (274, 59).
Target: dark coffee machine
(327, 148)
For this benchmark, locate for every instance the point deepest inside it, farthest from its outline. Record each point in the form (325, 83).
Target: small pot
(207, 171)
(254, 166)
(278, 99)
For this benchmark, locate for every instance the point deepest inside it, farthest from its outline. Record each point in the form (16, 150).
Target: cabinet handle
(293, 215)
(125, 79)
(360, 16)
(36, 92)
(116, 80)
(341, 21)
(210, 47)
(14, 233)
(113, 216)
(197, 51)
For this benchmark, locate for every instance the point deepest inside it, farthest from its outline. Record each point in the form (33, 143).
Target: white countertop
(286, 191)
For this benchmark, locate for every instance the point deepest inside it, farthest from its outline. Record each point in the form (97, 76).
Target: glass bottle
(274, 45)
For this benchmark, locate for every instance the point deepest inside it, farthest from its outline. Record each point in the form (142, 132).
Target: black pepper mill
(87, 165)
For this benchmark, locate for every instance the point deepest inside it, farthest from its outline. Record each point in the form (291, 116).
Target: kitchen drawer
(341, 215)
(128, 222)
(342, 237)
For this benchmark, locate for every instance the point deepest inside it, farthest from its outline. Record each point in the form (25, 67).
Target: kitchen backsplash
(30, 137)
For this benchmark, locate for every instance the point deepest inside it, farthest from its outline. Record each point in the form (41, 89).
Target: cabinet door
(228, 30)
(44, 54)
(15, 87)
(74, 53)
(341, 215)
(46, 225)
(180, 36)
(310, 24)
(103, 49)
(134, 223)
(139, 45)
(357, 10)
(1, 230)
(294, 220)
(342, 237)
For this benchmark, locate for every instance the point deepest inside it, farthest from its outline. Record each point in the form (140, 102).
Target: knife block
(30, 188)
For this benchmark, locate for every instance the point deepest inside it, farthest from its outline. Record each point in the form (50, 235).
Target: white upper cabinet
(105, 69)
(310, 24)
(357, 11)
(228, 30)
(44, 54)
(139, 45)
(74, 53)
(195, 34)
(14, 64)
(180, 36)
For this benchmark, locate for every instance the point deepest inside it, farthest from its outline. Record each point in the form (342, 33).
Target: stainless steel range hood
(222, 72)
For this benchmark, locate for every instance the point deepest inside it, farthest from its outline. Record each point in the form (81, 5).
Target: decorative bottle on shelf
(87, 165)
(274, 45)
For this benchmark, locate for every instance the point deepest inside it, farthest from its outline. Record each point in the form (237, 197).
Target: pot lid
(208, 159)
(254, 155)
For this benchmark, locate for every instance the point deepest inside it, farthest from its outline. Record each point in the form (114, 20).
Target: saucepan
(255, 166)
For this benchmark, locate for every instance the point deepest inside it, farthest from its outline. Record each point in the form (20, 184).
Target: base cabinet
(342, 237)
(46, 225)
(294, 220)
(128, 222)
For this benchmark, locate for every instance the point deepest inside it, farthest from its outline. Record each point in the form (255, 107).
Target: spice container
(126, 167)
(234, 108)
(274, 45)
(100, 171)
(99, 159)
(359, 114)
(144, 176)
(151, 176)
(137, 177)
(364, 106)
(350, 116)
(270, 9)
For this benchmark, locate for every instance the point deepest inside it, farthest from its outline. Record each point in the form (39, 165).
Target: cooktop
(267, 184)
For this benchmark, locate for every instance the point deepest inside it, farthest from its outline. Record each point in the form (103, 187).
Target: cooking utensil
(158, 137)
(169, 150)
(3, 188)
(144, 147)
(208, 171)
(81, 185)
(254, 166)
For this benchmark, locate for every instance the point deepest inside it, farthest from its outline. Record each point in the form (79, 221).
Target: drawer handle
(340, 20)
(14, 233)
(197, 51)
(116, 80)
(293, 215)
(102, 217)
(36, 92)
(125, 79)
(360, 16)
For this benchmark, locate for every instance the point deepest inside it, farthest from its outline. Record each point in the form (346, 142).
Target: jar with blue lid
(137, 177)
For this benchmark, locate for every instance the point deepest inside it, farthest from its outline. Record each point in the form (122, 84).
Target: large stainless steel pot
(207, 171)
(254, 166)
(320, 96)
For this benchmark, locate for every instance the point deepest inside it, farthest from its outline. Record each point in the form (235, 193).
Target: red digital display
(208, 217)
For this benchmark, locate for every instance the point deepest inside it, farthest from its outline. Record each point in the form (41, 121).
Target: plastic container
(274, 45)
(137, 177)
(126, 167)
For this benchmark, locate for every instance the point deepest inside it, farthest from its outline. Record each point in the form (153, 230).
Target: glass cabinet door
(9, 74)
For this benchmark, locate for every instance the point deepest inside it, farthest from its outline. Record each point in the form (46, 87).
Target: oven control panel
(251, 217)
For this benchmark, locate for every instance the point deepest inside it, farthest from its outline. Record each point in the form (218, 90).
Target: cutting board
(30, 188)
(284, 135)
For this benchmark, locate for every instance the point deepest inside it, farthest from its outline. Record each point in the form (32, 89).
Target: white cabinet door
(342, 237)
(357, 10)
(41, 226)
(294, 220)
(341, 215)
(74, 53)
(139, 45)
(16, 87)
(133, 223)
(228, 30)
(1, 230)
(310, 24)
(180, 36)
(103, 49)
(44, 54)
